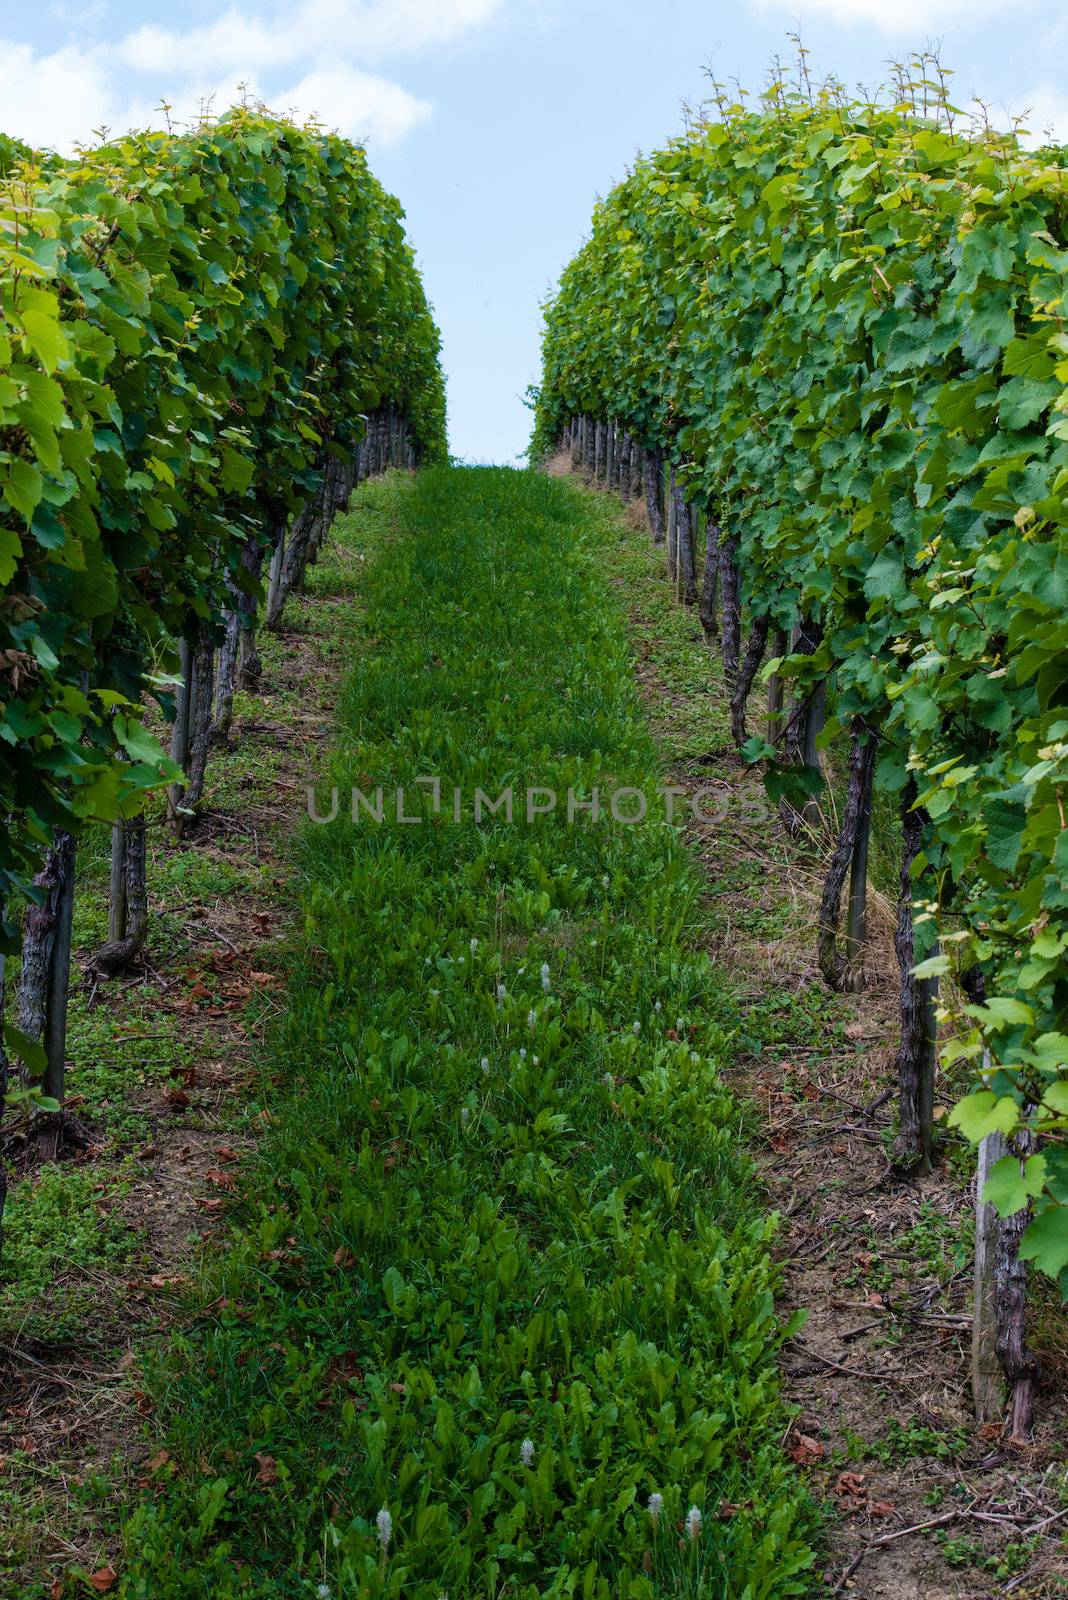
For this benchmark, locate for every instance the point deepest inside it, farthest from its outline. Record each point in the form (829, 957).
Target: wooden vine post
(652, 476)
(850, 856)
(988, 1379)
(775, 695)
(685, 567)
(731, 607)
(710, 581)
(746, 676)
(5, 1069)
(128, 901)
(44, 980)
(577, 425)
(917, 1048)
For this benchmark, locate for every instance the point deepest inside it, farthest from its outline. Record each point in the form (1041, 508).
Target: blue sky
(497, 122)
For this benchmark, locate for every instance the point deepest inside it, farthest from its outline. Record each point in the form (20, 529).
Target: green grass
(63, 1230)
(502, 1269)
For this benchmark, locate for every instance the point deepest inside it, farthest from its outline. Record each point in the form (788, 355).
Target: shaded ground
(164, 1073)
(879, 1371)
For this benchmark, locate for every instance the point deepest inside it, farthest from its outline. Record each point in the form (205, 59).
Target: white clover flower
(522, 1055)
(501, 992)
(546, 982)
(693, 1523)
(680, 1026)
(656, 1506)
(522, 969)
(635, 1028)
(323, 1591)
(536, 1060)
(484, 1064)
(658, 1007)
(464, 1115)
(526, 1452)
(605, 880)
(532, 1020)
(384, 1524)
(694, 1057)
(473, 946)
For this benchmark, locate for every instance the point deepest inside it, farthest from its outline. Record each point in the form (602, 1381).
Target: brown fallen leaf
(805, 1450)
(850, 1483)
(267, 1468)
(103, 1579)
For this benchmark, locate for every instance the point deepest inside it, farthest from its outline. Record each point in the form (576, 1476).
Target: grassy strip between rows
(503, 1272)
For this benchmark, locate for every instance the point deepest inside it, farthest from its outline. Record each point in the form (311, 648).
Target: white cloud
(1044, 108)
(310, 57)
(356, 103)
(54, 100)
(919, 18)
(366, 30)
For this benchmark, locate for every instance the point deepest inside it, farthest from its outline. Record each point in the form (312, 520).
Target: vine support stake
(856, 911)
(850, 854)
(731, 603)
(44, 980)
(988, 1388)
(775, 696)
(917, 1049)
(4, 1070)
(651, 475)
(117, 885)
(180, 729)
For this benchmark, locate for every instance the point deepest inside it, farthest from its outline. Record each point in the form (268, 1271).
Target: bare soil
(208, 987)
(921, 1504)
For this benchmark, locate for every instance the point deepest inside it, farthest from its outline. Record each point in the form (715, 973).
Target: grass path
(502, 1273)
